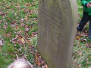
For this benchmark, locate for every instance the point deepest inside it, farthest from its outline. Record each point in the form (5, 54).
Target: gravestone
(57, 21)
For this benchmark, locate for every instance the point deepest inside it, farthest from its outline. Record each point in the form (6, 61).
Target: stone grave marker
(57, 21)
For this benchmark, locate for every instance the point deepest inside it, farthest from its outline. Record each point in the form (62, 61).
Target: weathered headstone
(57, 20)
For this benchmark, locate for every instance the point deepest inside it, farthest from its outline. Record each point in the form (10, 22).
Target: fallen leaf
(23, 40)
(77, 37)
(16, 28)
(26, 18)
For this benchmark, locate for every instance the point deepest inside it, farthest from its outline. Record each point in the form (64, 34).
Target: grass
(81, 57)
(18, 22)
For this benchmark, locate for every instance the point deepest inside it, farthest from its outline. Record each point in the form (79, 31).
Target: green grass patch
(15, 12)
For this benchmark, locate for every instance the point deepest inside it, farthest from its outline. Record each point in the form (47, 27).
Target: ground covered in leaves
(18, 35)
(81, 57)
(18, 32)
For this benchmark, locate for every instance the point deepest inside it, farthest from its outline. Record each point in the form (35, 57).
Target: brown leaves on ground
(18, 25)
(39, 61)
(82, 49)
(80, 35)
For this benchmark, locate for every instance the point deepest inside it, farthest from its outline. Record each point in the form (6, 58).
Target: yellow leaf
(26, 18)
(46, 66)
(77, 37)
(36, 58)
(23, 40)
